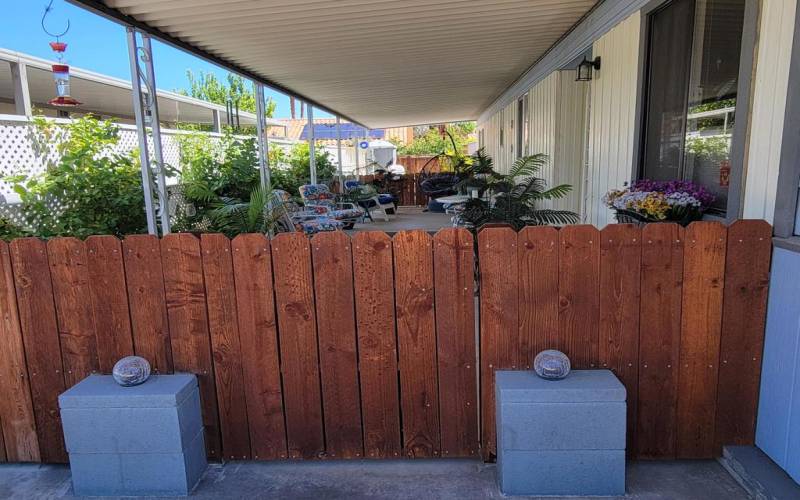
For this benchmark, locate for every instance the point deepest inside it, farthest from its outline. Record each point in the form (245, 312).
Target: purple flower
(681, 189)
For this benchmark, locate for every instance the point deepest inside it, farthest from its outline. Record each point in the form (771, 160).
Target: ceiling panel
(383, 63)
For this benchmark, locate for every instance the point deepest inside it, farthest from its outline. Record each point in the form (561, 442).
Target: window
(692, 79)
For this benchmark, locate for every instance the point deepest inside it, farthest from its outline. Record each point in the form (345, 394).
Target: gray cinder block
(141, 440)
(562, 437)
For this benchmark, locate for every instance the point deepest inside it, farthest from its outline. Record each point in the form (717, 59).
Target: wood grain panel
(188, 325)
(377, 344)
(416, 342)
(620, 276)
(497, 248)
(294, 295)
(40, 337)
(225, 347)
(17, 421)
(454, 289)
(701, 325)
(109, 295)
(148, 305)
(744, 314)
(660, 319)
(537, 252)
(258, 334)
(338, 358)
(579, 291)
(69, 275)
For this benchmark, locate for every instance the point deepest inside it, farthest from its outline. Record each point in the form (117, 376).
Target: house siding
(557, 111)
(612, 123)
(778, 427)
(773, 53)
(569, 162)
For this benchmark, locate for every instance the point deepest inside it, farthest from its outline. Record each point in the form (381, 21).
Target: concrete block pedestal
(131, 441)
(560, 437)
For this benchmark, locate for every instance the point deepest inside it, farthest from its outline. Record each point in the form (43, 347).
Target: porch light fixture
(584, 71)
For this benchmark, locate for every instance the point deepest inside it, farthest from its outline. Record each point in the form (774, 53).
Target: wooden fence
(345, 347)
(406, 189)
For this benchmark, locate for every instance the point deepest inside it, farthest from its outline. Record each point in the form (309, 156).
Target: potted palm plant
(514, 198)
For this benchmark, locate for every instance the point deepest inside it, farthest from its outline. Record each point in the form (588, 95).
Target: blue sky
(97, 44)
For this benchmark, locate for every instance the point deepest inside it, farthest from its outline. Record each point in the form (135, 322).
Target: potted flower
(659, 201)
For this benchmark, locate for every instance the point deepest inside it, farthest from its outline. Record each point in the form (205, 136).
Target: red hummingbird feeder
(60, 70)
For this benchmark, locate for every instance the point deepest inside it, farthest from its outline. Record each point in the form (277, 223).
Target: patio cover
(380, 63)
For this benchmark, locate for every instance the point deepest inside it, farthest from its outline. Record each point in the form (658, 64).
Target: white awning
(108, 96)
(383, 63)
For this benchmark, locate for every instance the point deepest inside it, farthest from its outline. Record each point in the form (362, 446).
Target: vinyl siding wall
(612, 120)
(558, 120)
(612, 123)
(773, 51)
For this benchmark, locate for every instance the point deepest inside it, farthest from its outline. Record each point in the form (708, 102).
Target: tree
(433, 142)
(206, 86)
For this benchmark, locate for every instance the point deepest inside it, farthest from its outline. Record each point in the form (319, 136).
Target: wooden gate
(365, 346)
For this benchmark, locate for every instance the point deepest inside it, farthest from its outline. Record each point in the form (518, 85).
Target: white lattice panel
(20, 153)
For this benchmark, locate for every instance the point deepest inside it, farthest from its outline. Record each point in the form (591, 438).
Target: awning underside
(383, 63)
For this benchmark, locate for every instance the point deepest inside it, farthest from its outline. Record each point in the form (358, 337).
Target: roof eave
(117, 16)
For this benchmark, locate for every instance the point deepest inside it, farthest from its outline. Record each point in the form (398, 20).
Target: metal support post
(145, 104)
(138, 111)
(339, 152)
(312, 155)
(263, 141)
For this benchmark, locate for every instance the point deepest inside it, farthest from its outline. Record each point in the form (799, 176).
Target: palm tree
(262, 213)
(514, 198)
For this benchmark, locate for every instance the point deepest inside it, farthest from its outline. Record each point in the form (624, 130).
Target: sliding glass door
(692, 77)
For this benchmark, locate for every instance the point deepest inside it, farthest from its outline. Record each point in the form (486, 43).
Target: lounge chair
(319, 199)
(369, 199)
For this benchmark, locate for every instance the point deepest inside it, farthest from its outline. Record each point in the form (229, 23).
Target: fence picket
(578, 290)
(225, 347)
(109, 297)
(377, 347)
(338, 359)
(369, 326)
(701, 324)
(743, 323)
(537, 254)
(258, 337)
(69, 275)
(188, 324)
(620, 277)
(17, 421)
(416, 342)
(454, 287)
(294, 294)
(660, 318)
(500, 343)
(37, 317)
(148, 306)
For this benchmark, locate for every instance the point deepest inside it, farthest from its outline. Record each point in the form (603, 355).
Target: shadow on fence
(365, 346)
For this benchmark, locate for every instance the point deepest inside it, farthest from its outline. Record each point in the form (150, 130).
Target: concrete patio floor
(389, 479)
(406, 218)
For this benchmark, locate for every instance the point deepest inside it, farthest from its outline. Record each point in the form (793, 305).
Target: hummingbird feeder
(60, 70)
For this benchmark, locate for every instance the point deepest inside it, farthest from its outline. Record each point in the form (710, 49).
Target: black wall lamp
(584, 72)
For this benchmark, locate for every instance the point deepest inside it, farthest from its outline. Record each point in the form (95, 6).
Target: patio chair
(319, 199)
(290, 217)
(369, 199)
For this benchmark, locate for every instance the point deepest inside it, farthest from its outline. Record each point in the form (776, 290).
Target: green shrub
(88, 189)
(299, 170)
